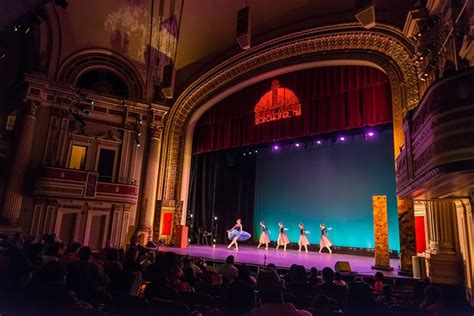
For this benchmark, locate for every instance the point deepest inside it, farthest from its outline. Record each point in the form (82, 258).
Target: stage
(251, 255)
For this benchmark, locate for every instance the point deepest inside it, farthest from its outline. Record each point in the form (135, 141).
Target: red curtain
(332, 99)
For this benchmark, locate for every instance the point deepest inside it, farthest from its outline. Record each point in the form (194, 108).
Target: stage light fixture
(318, 142)
(256, 151)
(244, 154)
(215, 218)
(275, 147)
(342, 138)
(297, 145)
(191, 215)
(250, 152)
(369, 135)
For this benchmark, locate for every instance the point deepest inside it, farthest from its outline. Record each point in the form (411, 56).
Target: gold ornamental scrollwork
(383, 42)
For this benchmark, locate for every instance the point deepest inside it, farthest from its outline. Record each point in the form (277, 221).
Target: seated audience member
(361, 301)
(433, 301)
(245, 276)
(85, 278)
(228, 270)
(378, 285)
(323, 306)
(166, 278)
(50, 293)
(189, 264)
(270, 293)
(71, 254)
(387, 296)
(329, 289)
(314, 279)
(130, 262)
(240, 298)
(339, 281)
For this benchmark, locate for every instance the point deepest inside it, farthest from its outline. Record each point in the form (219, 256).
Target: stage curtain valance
(331, 99)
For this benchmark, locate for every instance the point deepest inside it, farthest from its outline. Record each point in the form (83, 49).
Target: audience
(228, 270)
(39, 279)
(378, 285)
(271, 297)
(339, 281)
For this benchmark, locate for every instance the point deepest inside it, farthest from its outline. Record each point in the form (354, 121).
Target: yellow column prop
(382, 254)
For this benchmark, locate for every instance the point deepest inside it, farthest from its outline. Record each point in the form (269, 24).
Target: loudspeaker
(366, 17)
(244, 28)
(181, 237)
(167, 84)
(342, 266)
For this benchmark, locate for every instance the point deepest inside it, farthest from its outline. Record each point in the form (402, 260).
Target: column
(443, 263)
(382, 252)
(21, 159)
(149, 183)
(406, 226)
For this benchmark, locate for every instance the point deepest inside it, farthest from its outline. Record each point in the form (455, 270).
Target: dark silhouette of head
(328, 275)
(85, 254)
(230, 259)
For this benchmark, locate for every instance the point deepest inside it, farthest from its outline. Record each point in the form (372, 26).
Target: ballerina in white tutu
(282, 237)
(264, 238)
(324, 242)
(303, 241)
(236, 233)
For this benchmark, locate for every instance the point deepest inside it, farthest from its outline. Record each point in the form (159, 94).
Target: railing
(73, 183)
(439, 141)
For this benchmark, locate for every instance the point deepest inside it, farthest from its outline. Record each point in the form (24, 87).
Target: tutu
(264, 238)
(283, 239)
(243, 235)
(303, 241)
(325, 242)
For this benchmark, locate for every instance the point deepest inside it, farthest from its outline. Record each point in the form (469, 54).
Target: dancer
(264, 238)
(324, 242)
(236, 233)
(282, 237)
(303, 239)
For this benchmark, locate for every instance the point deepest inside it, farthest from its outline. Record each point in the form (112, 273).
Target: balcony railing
(438, 156)
(72, 183)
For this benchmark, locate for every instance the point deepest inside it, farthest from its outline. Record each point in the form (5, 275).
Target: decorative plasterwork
(381, 43)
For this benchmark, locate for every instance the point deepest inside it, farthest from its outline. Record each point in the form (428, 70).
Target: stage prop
(382, 254)
(181, 237)
(342, 266)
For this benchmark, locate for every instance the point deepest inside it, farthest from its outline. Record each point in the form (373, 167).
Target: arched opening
(229, 179)
(104, 82)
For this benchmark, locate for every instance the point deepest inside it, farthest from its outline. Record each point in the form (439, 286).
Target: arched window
(104, 82)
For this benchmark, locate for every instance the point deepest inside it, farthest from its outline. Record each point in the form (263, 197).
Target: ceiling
(208, 27)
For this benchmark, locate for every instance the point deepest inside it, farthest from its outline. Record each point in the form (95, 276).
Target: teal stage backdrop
(331, 184)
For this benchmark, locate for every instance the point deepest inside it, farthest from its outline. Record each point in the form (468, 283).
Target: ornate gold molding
(384, 45)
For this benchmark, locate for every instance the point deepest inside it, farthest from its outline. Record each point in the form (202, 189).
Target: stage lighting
(250, 152)
(191, 215)
(342, 138)
(275, 147)
(318, 142)
(215, 218)
(244, 154)
(369, 135)
(256, 151)
(297, 145)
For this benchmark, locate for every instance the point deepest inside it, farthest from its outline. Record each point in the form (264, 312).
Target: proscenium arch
(383, 47)
(81, 62)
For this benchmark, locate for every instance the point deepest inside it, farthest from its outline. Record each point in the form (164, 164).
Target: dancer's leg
(306, 248)
(299, 249)
(284, 247)
(266, 246)
(259, 245)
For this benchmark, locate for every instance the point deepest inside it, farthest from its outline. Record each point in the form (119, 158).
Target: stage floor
(251, 255)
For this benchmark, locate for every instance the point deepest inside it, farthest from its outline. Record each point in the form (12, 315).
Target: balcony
(437, 160)
(77, 184)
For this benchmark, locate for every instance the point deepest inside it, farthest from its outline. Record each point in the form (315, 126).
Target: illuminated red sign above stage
(277, 104)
